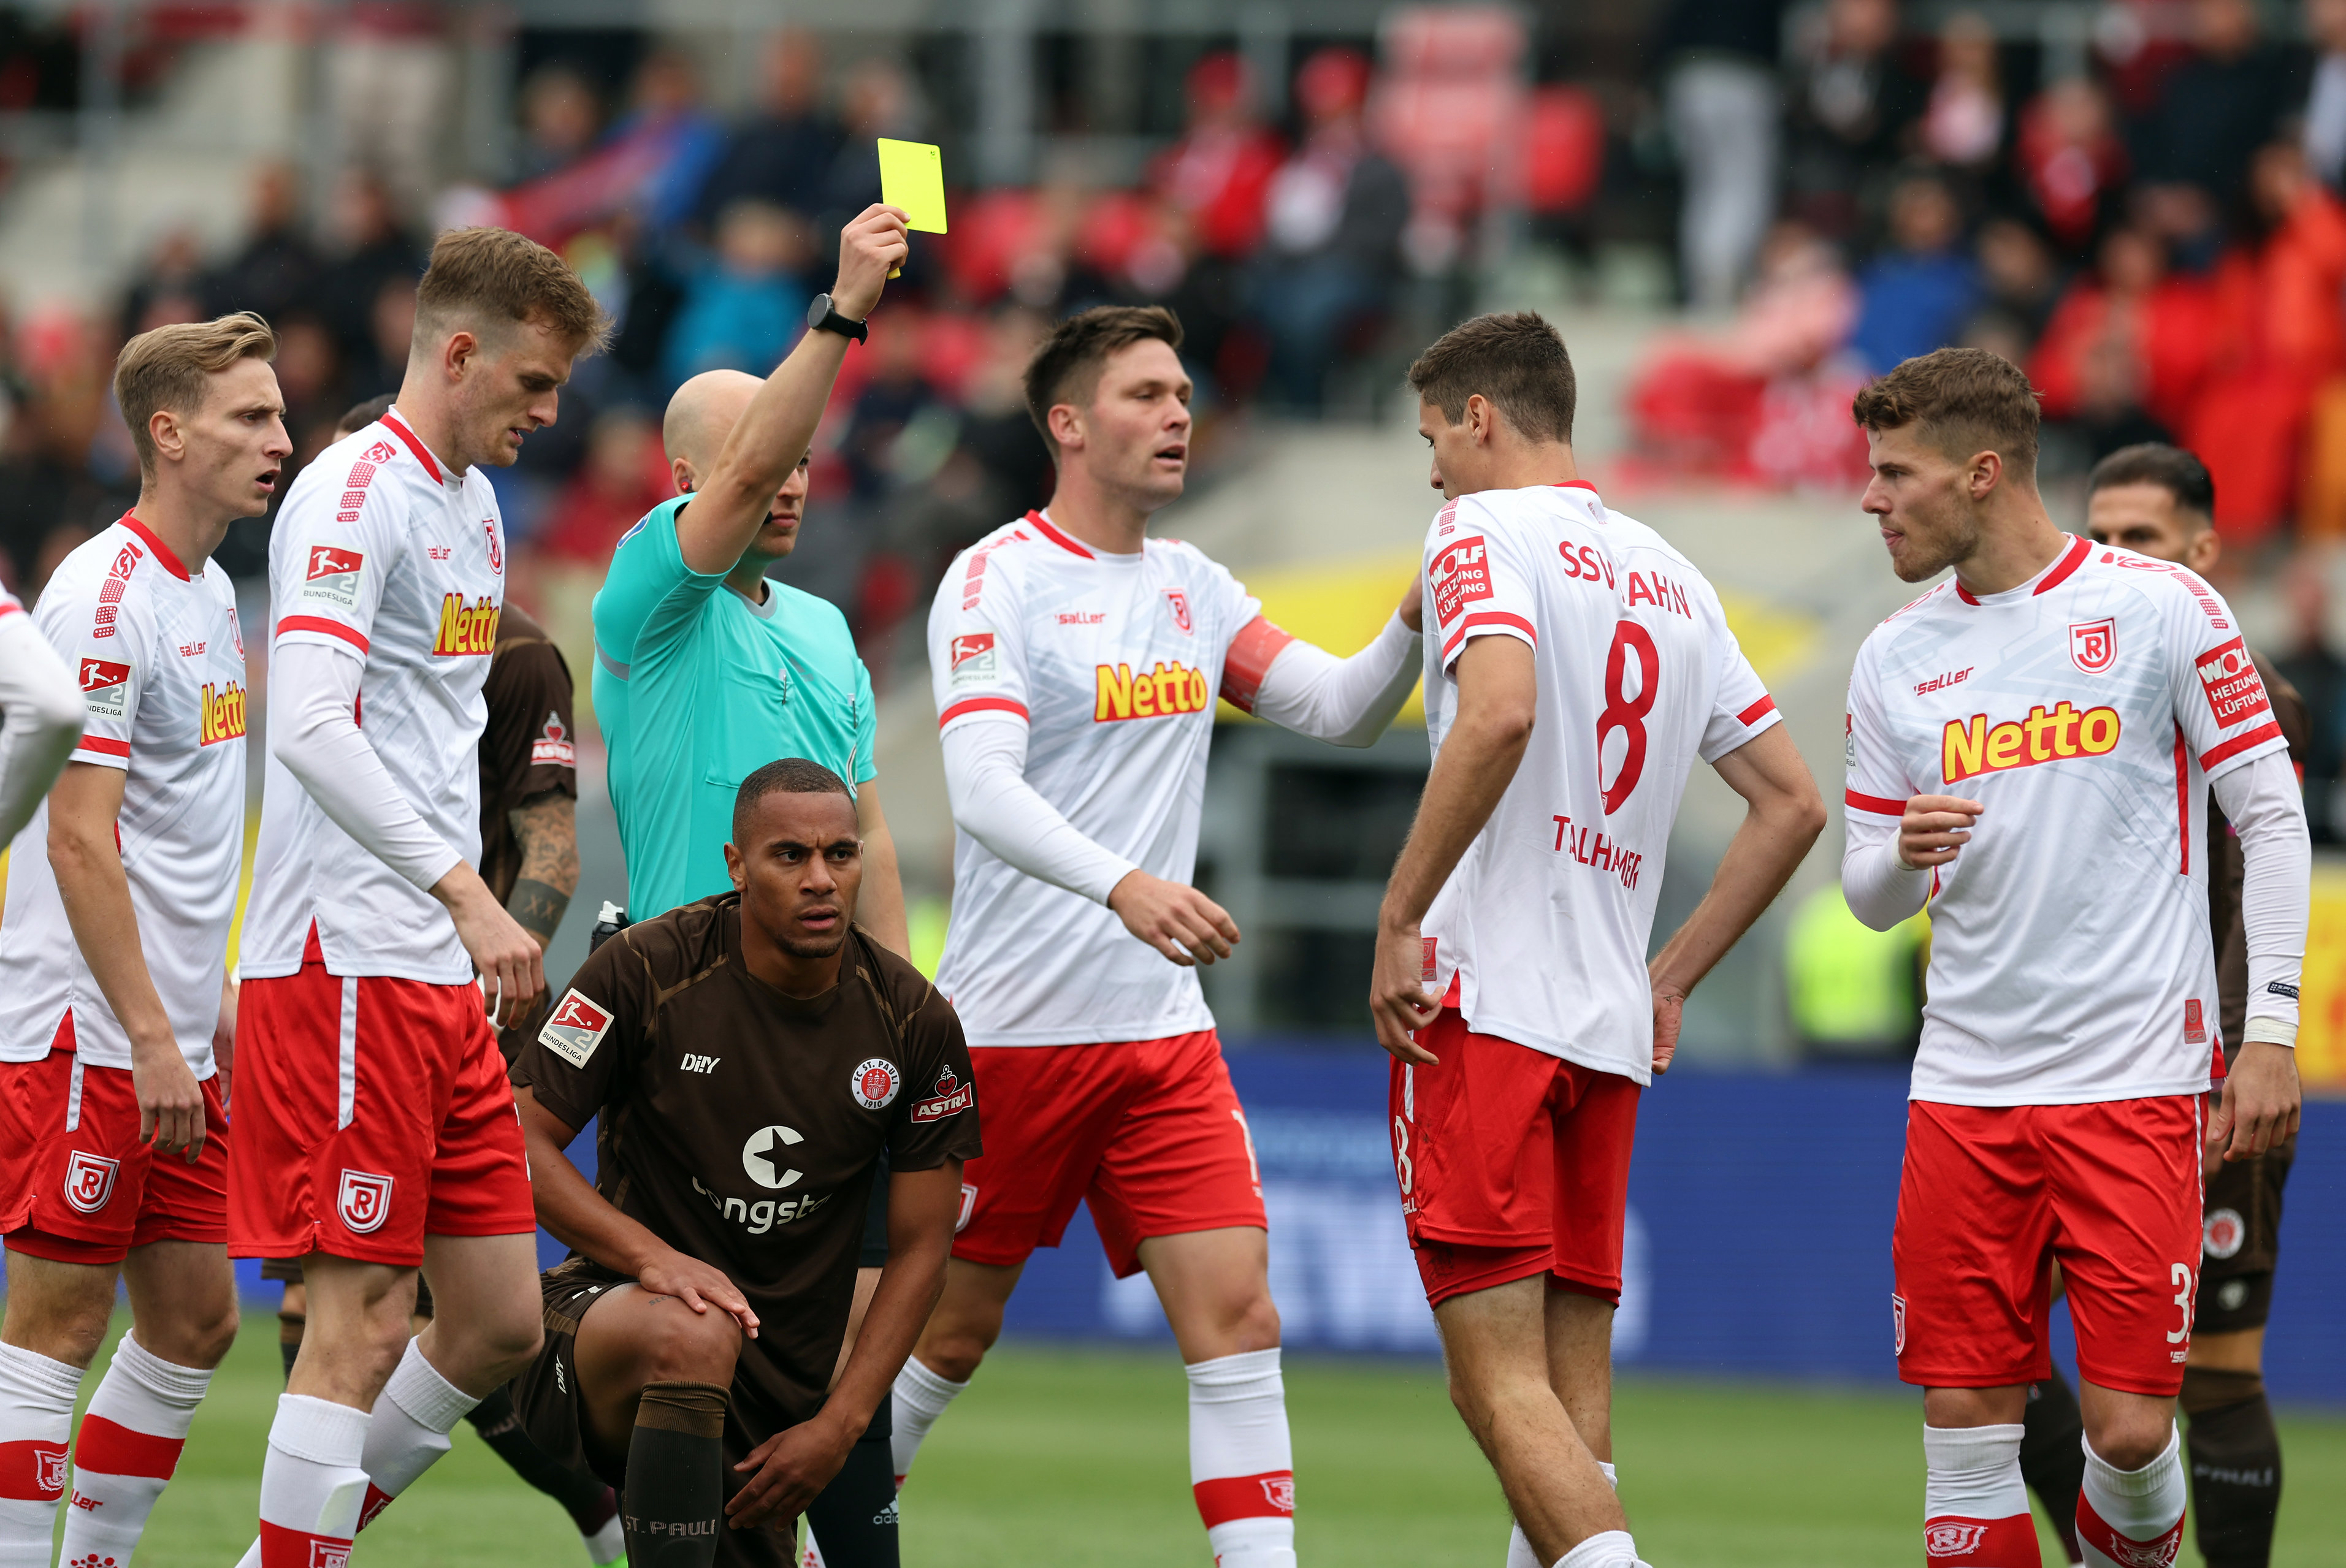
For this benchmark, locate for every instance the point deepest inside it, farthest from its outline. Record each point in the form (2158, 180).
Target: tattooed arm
(546, 828)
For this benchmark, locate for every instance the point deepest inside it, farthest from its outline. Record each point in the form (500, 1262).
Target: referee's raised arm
(773, 434)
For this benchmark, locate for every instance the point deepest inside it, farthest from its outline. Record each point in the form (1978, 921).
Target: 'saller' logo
(89, 1180)
(364, 1201)
(2094, 644)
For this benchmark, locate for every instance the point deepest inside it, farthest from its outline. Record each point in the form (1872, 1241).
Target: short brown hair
(1067, 368)
(166, 368)
(1966, 400)
(493, 276)
(2173, 469)
(1516, 360)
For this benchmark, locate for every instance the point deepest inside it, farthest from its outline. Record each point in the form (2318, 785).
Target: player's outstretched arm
(1344, 701)
(42, 718)
(1498, 699)
(574, 1214)
(91, 881)
(2262, 1098)
(790, 1469)
(779, 425)
(1783, 816)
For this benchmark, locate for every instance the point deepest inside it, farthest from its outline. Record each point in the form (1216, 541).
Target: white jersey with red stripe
(1113, 662)
(1543, 926)
(160, 661)
(379, 551)
(2086, 710)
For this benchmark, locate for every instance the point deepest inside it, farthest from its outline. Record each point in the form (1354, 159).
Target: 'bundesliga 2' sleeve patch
(576, 1028)
(2235, 691)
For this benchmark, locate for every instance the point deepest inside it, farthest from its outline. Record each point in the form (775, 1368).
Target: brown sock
(669, 1508)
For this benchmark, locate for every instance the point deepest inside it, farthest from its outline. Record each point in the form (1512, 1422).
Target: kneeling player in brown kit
(749, 1057)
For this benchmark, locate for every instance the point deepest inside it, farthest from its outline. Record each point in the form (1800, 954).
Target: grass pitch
(1062, 1458)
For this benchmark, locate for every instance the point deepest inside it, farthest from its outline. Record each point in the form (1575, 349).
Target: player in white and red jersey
(1077, 662)
(376, 1126)
(116, 1008)
(1577, 667)
(2031, 747)
(40, 717)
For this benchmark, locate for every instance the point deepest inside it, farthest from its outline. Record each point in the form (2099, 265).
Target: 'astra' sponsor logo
(223, 713)
(762, 1215)
(466, 630)
(1971, 747)
(1462, 574)
(552, 746)
(1158, 693)
(951, 1098)
(2235, 691)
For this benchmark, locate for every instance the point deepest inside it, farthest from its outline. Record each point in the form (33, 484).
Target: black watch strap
(824, 316)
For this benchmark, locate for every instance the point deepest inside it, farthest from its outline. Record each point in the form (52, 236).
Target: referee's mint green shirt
(695, 688)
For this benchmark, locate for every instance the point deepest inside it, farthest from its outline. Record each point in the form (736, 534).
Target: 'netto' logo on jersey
(1973, 746)
(223, 713)
(466, 630)
(1169, 688)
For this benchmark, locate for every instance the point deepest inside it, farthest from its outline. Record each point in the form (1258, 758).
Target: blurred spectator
(2021, 276)
(2315, 669)
(380, 364)
(2280, 334)
(375, 250)
(1917, 295)
(2071, 162)
(171, 287)
(2325, 103)
(1963, 124)
(666, 115)
(277, 266)
(390, 77)
(310, 375)
(743, 306)
(561, 115)
(1335, 214)
(2132, 311)
(2221, 105)
(783, 154)
(650, 165)
(625, 475)
(1725, 109)
(1218, 175)
(876, 101)
(1850, 103)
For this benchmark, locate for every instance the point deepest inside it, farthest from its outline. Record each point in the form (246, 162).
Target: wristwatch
(823, 316)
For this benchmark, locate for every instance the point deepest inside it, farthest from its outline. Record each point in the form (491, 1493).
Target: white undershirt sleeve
(2262, 802)
(1348, 701)
(43, 719)
(1880, 888)
(985, 778)
(312, 691)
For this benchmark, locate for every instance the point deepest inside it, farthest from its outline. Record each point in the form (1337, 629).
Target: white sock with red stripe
(311, 1483)
(1241, 1467)
(1519, 1545)
(413, 1418)
(919, 1398)
(36, 1402)
(2129, 1517)
(1974, 1504)
(128, 1446)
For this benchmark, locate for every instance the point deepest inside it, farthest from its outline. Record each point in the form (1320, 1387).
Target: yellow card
(912, 177)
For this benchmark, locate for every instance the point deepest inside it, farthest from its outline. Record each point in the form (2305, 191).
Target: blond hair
(489, 279)
(166, 368)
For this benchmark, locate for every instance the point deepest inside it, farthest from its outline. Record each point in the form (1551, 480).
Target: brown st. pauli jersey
(740, 1126)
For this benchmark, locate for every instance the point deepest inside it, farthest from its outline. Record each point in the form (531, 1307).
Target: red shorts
(1512, 1163)
(1991, 1193)
(1149, 1131)
(371, 1113)
(75, 1184)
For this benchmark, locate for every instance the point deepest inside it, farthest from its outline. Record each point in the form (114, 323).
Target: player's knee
(200, 1337)
(954, 1350)
(2131, 1439)
(1254, 1324)
(700, 1349)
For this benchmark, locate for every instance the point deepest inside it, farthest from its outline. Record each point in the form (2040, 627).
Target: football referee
(749, 1057)
(704, 671)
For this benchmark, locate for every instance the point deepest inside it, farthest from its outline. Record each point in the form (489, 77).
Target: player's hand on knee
(1398, 1000)
(1933, 827)
(867, 248)
(170, 1101)
(786, 1472)
(2260, 1103)
(1177, 920)
(703, 1286)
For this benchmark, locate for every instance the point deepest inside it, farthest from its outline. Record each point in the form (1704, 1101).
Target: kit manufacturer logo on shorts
(576, 1027)
(1947, 1539)
(89, 1180)
(553, 746)
(952, 1097)
(1461, 575)
(1898, 1325)
(2225, 1233)
(364, 1201)
(2235, 690)
(875, 1083)
(106, 687)
(2094, 644)
(973, 659)
(333, 576)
